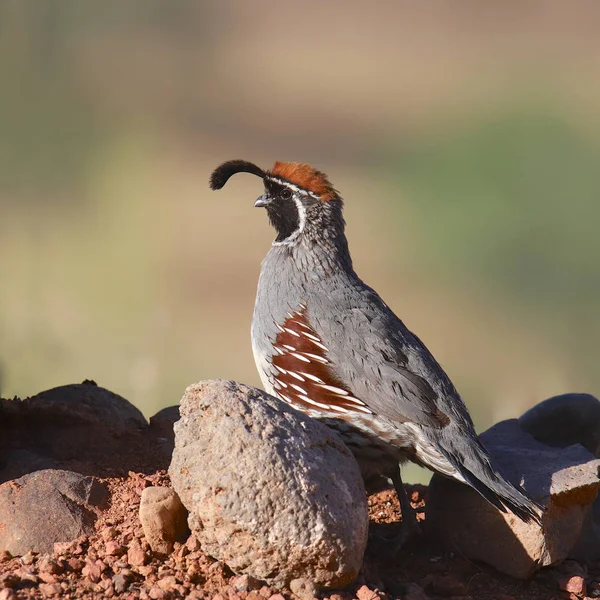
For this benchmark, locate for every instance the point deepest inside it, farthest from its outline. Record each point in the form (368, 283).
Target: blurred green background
(464, 137)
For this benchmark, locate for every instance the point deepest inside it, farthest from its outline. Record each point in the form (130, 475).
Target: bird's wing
(382, 363)
(357, 359)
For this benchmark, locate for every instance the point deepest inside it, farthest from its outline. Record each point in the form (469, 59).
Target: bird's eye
(286, 193)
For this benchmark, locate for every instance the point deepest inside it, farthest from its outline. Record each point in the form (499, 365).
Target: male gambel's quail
(327, 344)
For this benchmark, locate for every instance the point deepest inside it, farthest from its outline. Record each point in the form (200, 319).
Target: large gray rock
(270, 492)
(563, 481)
(45, 507)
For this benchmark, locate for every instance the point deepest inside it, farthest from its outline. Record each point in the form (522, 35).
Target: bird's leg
(409, 518)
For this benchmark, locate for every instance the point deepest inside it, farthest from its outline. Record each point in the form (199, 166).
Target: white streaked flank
(335, 390)
(313, 402)
(298, 388)
(312, 377)
(316, 357)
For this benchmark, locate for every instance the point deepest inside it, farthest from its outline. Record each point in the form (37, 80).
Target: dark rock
(271, 492)
(19, 462)
(565, 420)
(564, 481)
(562, 421)
(163, 421)
(83, 428)
(45, 507)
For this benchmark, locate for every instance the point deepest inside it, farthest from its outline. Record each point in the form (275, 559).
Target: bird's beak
(262, 201)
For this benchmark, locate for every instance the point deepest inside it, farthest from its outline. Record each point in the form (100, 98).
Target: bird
(326, 343)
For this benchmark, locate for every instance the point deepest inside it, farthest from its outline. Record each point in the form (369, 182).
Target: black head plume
(223, 172)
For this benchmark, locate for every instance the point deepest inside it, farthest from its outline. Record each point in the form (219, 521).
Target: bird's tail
(478, 472)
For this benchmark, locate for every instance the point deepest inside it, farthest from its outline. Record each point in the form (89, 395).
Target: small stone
(265, 591)
(192, 544)
(76, 564)
(27, 559)
(277, 597)
(136, 555)
(7, 594)
(120, 582)
(47, 577)
(64, 548)
(26, 577)
(254, 595)
(49, 565)
(5, 556)
(145, 571)
(574, 585)
(365, 593)
(115, 549)
(157, 593)
(50, 589)
(245, 583)
(109, 533)
(448, 585)
(163, 518)
(305, 589)
(167, 583)
(93, 571)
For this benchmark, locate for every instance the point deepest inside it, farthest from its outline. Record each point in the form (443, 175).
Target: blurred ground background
(464, 137)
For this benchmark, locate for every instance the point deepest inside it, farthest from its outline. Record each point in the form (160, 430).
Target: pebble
(76, 564)
(306, 589)
(110, 533)
(49, 565)
(27, 559)
(246, 583)
(120, 582)
(573, 585)
(366, 593)
(136, 555)
(93, 571)
(115, 549)
(157, 593)
(50, 589)
(167, 583)
(7, 594)
(192, 544)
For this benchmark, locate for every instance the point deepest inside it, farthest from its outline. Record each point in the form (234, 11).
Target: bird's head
(299, 200)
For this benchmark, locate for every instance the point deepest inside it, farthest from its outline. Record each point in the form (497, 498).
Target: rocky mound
(87, 510)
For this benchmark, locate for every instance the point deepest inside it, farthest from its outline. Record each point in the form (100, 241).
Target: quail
(326, 343)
